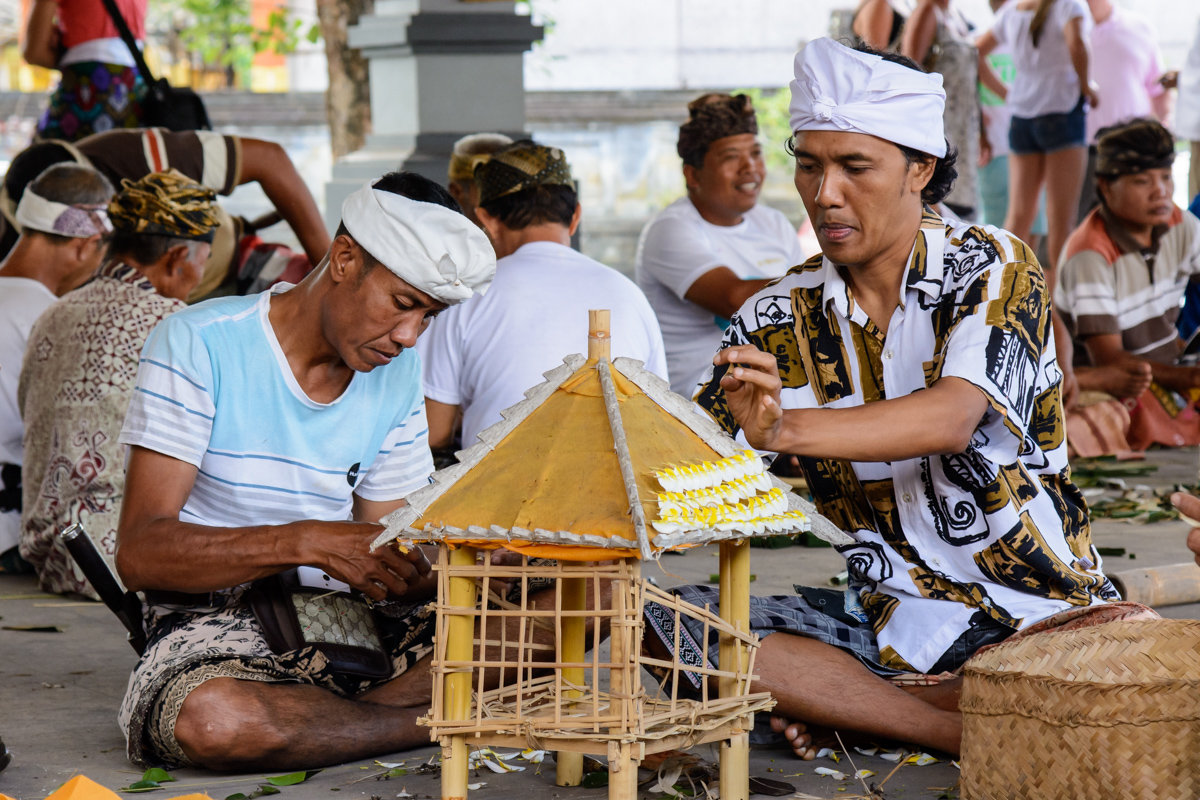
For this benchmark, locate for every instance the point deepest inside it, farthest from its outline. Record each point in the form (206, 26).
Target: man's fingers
(1188, 506)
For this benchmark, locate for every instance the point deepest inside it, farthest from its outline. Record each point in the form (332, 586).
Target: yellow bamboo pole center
(569, 770)
(735, 609)
(460, 645)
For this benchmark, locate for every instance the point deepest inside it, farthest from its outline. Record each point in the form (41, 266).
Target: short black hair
(142, 248)
(546, 202)
(944, 170)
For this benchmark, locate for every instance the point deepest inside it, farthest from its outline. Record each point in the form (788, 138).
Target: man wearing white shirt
(480, 357)
(702, 256)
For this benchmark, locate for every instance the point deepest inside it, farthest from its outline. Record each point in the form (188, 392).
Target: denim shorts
(1049, 132)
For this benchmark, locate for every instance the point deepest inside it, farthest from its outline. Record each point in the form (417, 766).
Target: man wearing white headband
(60, 248)
(270, 432)
(911, 369)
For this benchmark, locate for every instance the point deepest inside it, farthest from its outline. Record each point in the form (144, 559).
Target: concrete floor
(59, 691)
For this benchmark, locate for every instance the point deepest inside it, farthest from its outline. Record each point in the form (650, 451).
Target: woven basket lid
(1135, 671)
(1135, 651)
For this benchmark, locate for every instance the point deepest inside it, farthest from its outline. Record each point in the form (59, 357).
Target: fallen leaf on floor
(292, 778)
(920, 759)
(830, 773)
(34, 628)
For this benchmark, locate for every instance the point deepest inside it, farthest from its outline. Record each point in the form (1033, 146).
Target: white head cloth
(432, 248)
(840, 89)
(36, 213)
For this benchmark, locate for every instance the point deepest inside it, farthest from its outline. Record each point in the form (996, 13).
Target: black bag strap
(127, 37)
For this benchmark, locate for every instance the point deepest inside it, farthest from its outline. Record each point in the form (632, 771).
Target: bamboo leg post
(460, 642)
(734, 758)
(623, 760)
(569, 770)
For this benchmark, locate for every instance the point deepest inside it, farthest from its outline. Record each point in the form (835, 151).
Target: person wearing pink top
(100, 87)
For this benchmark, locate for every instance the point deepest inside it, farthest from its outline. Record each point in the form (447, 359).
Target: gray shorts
(188, 647)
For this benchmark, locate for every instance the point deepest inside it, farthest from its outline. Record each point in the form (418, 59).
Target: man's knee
(225, 724)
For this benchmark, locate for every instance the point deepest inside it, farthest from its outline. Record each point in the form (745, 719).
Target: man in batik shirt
(911, 370)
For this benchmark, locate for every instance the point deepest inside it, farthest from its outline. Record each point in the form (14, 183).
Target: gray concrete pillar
(440, 69)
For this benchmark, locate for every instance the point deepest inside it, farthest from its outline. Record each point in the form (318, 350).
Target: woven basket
(1107, 712)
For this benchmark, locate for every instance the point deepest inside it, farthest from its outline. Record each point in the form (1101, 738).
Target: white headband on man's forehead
(432, 248)
(36, 213)
(840, 89)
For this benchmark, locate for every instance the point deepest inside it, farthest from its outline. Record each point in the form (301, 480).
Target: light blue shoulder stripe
(279, 489)
(278, 459)
(169, 368)
(172, 401)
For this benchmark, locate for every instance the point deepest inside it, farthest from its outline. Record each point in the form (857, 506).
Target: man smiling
(910, 368)
(703, 255)
(271, 432)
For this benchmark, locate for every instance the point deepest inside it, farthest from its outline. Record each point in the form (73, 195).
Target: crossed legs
(817, 684)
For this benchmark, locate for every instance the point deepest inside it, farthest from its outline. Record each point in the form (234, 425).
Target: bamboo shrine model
(570, 481)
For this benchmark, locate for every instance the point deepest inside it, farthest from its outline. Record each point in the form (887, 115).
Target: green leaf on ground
(594, 780)
(293, 778)
(237, 796)
(157, 774)
(141, 786)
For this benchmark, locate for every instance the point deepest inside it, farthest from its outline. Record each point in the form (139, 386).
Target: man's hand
(1189, 509)
(343, 549)
(752, 388)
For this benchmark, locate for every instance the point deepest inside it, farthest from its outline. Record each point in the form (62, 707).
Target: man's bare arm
(268, 164)
(940, 419)
(443, 420)
(722, 292)
(155, 550)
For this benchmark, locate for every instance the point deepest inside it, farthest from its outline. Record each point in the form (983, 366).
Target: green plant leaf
(157, 774)
(237, 796)
(141, 786)
(293, 778)
(267, 789)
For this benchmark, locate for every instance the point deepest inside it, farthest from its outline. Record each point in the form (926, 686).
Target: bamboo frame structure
(527, 666)
(530, 690)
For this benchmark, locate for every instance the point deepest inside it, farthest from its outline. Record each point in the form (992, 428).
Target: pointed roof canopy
(570, 472)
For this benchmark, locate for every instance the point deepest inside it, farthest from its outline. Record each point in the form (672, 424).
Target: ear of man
(491, 223)
(578, 215)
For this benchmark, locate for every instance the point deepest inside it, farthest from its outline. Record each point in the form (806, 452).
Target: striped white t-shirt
(214, 389)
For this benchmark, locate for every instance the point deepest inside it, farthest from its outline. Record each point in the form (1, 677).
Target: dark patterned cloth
(829, 616)
(713, 116)
(93, 97)
(188, 646)
(165, 204)
(521, 165)
(1131, 147)
(998, 528)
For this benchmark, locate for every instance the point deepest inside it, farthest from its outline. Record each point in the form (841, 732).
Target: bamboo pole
(735, 609)
(569, 770)
(460, 640)
(599, 339)
(623, 760)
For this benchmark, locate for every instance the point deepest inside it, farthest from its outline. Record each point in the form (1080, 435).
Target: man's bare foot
(797, 735)
(1127, 378)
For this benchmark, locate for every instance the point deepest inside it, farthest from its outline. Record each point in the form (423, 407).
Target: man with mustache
(910, 368)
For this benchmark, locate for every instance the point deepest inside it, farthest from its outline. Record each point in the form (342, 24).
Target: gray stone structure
(439, 69)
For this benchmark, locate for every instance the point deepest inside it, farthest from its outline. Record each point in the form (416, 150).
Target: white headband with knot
(840, 89)
(430, 247)
(36, 213)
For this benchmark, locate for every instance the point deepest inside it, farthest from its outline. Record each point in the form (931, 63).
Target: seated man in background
(78, 375)
(64, 222)
(271, 432)
(702, 256)
(469, 152)
(480, 357)
(239, 261)
(1123, 276)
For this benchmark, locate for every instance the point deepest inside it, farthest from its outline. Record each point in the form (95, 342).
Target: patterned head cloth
(839, 89)
(77, 220)
(471, 151)
(710, 117)
(1132, 147)
(521, 165)
(165, 204)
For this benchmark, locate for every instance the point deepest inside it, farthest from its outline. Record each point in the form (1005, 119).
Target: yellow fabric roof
(558, 469)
